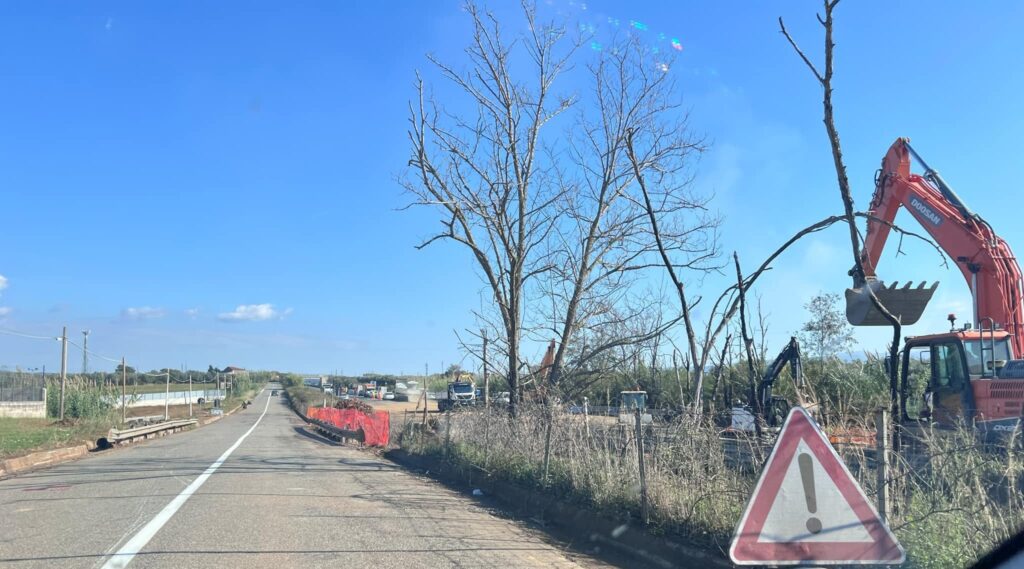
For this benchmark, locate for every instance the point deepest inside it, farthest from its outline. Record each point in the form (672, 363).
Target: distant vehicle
(629, 403)
(503, 397)
(407, 391)
(313, 381)
(459, 393)
(273, 393)
(389, 396)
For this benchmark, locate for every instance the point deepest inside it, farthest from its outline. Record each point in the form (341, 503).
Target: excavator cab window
(948, 371)
(917, 370)
(982, 354)
(949, 381)
(936, 375)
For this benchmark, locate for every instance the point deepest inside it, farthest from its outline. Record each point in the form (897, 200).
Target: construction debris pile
(354, 404)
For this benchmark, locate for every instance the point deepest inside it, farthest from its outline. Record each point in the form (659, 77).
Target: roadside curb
(582, 523)
(42, 459)
(47, 458)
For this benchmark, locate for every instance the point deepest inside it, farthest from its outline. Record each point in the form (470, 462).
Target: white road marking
(125, 555)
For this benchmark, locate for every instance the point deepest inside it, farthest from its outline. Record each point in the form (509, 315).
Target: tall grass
(82, 399)
(952, 498)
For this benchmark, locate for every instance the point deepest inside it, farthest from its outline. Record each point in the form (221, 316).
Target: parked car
(273, 393)
(389, 396)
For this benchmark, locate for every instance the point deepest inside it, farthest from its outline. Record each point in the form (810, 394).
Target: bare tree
(699, 346)
(486, 174)
(602, 241)
(825, 80)
(701, 342)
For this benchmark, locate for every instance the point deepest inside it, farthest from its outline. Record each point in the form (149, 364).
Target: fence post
(586, 418)
(447, 433)
(547, 441)
(63, 368)
(487, 437)
(124, 391)
(644, 514)
(882, 461)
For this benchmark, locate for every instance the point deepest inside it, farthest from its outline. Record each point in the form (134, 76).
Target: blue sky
(215, 183)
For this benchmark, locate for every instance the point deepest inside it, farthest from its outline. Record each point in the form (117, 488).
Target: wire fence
(22, 388)
(951, 496)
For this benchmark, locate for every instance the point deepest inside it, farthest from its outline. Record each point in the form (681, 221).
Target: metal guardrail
(336, 433)
(128, 435)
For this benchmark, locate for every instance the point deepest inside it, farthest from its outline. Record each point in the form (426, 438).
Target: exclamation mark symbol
(807, 476)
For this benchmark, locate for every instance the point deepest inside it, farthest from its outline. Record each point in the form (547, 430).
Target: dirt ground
(400, 410)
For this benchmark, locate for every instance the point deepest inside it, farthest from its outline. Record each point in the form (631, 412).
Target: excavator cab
(936, 379)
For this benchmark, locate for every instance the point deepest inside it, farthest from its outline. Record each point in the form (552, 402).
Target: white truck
(459, 393)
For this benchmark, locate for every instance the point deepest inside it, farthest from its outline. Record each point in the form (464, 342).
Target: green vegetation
(90, 410)
(303, 397)
(82, 400)
(23, 436)
(244, 387)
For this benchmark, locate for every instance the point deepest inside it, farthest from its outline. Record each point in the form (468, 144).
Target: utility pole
(124, 390)
(167, 397)
(85, 351)
(190, 395)
(63, 367)
(487, 378)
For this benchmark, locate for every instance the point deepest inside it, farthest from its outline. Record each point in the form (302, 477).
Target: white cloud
(253, 312)
(4, 311)
(3, 282)
(192, 313)
(142, 313)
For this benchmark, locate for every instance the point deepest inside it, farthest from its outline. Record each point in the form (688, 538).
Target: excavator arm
(773, 408)
(984, 259)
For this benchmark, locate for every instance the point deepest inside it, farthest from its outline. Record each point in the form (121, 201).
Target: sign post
(807, 509)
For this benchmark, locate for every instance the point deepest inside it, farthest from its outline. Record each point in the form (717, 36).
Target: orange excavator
(972, 373)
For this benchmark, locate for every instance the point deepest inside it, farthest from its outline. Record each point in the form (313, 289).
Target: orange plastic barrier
(376, 427)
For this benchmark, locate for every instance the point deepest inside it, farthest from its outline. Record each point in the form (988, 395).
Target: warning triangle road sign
(808, 509)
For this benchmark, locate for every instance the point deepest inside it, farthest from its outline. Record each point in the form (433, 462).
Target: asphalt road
(282, 498)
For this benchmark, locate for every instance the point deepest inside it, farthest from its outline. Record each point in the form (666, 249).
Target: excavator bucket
(905, 303)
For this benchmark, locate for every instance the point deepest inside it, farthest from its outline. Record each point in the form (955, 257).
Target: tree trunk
(513, 373)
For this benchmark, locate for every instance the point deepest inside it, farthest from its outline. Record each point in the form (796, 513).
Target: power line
(24, 335)
(90, 352)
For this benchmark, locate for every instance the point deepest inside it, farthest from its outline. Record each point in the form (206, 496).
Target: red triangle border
(747, 550)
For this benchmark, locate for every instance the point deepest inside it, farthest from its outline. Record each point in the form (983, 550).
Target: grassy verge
(19, 437)
(303, 397)
(952, 498)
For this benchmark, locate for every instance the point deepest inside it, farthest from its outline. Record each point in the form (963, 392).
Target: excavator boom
(984, 259)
